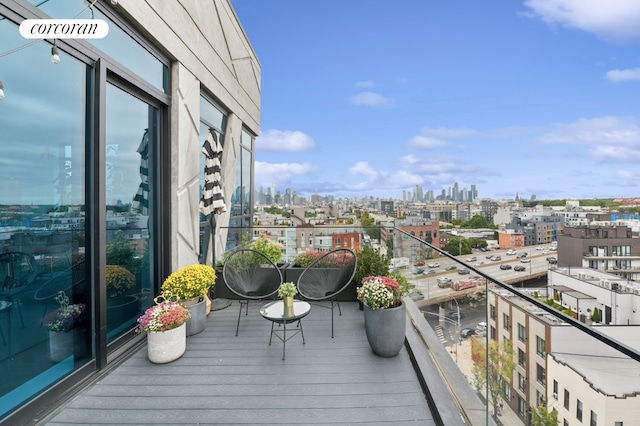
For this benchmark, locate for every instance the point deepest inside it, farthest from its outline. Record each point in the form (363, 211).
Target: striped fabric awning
(212, 200)
(141, 199)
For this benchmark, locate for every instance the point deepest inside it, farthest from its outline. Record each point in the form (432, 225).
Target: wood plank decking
(224, 379)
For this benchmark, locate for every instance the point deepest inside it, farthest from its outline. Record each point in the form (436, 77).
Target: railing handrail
(621, 347)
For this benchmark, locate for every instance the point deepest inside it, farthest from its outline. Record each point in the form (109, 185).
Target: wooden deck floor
(227, 380)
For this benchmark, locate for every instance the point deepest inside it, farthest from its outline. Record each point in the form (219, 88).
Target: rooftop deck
(225, 379)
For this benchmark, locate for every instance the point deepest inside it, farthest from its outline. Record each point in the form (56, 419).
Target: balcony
(439, 377)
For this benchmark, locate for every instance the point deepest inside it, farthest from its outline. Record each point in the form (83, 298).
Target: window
(566, 399)
(539, 398)
(618, 424)
(522, 382)
(492, 312)
(540, 350)
(522, 358)
(594, 419)
(555, 389)
(541, 374)
(522, 332)
(492, 333)
(505, 322)
(565, 422)
(579, 410)
(521, 407)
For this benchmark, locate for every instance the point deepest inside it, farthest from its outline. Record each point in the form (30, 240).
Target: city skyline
(533, 97)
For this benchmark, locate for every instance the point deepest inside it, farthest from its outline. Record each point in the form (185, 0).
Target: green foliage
(287, 289)
(371, 262)
(493, 372)
(540, 416)
(478, 221)
(119, 280)
(271, 249)
(456, 244)
(596, 315)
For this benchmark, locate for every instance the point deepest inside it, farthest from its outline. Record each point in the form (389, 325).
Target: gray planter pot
(385, 329)
(198, 320)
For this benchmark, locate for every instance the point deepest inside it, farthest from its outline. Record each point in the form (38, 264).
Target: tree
(454, 246)
(540, 416)
(493, 374)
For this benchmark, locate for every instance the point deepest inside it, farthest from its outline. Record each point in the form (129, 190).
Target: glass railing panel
(530, 338)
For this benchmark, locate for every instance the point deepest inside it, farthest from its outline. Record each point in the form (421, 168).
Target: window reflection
(131, 140)
(118, 44)
(44, 295)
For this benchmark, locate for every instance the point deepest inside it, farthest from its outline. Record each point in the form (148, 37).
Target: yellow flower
(190, 281)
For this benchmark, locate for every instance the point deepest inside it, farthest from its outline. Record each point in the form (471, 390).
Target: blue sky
(369, 97)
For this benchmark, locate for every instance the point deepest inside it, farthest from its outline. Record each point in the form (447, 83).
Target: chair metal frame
(317, 265)
(255, 262)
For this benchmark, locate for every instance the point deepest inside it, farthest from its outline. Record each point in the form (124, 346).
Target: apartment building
(536, 335)
(609, 248)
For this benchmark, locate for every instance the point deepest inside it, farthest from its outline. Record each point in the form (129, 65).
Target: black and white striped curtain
(212, 200)
(141, 199)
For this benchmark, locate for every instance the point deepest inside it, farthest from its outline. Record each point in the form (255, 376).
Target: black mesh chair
(327, 277)
(17, 271)
(251, 275)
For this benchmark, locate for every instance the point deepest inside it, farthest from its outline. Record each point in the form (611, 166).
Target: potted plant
(66, 326)
(122, 307)
(384, 314)
(165, 325)
(334, 259)
(371, 262)
(190, 285)
(271, 249)
(286, 291)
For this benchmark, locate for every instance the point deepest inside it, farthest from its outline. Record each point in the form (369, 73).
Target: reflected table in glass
(276, 312)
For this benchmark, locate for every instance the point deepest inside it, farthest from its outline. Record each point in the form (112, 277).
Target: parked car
(479, 263)
(450, 268)
(463, 271)
(505, 267)
(525, 260)
(418, 271)
(496, 258)
(472, 259)
(434, 265)
(489, 256)
(467, 332)
(431, 271)
(519, 268)
(419, 263)
(552, 259)
(510, 252)
(454, 315)
(522, 254)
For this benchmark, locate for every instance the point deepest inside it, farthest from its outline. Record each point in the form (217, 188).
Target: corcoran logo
(64, 28)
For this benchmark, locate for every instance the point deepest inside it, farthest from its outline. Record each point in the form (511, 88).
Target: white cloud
(623, 75)
(611, 138)
(363, 168)
(626, 178)
(427, 142)
(371, 99)
(284, 140)
(437, 137)
(594, 131)
(280, 173)
(612, 19)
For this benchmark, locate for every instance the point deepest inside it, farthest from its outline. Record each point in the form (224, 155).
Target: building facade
(102, 173)
(607, 248)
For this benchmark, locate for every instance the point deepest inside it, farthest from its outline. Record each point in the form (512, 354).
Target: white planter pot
(167, 346)
(63, 344)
